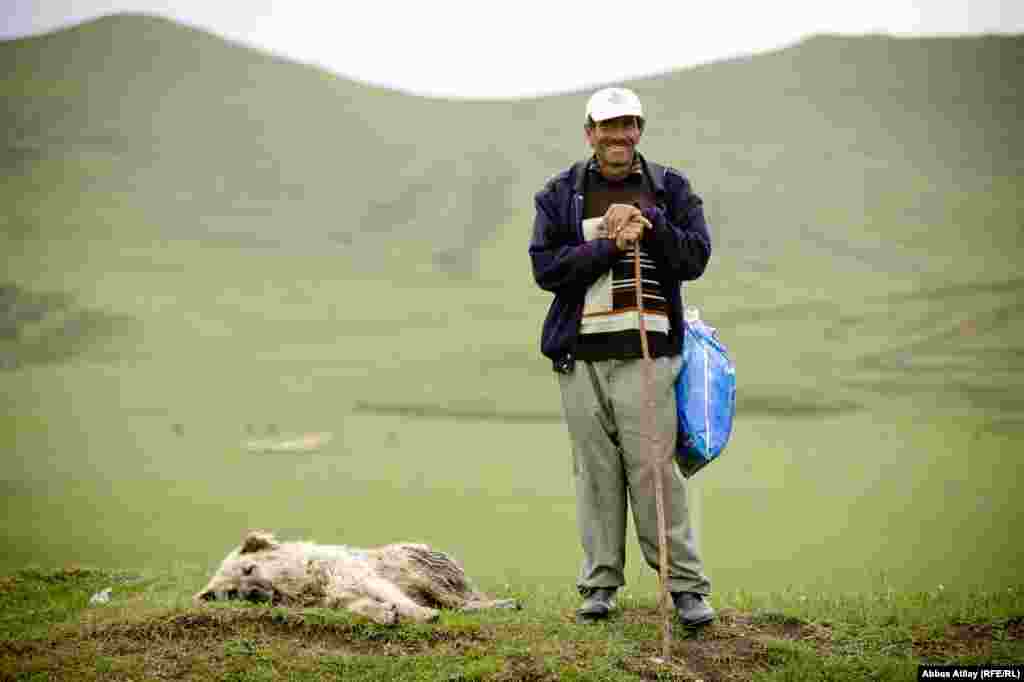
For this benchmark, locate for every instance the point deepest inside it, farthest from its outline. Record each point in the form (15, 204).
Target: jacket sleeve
(680, 238)
(560, 266)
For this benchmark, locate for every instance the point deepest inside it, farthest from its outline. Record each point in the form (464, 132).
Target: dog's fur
(385, 584)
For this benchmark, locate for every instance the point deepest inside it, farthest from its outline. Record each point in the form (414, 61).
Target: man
(589, 219)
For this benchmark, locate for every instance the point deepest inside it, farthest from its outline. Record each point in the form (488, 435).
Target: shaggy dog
(385, 584)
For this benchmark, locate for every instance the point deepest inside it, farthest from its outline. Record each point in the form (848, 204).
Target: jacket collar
(656, 179)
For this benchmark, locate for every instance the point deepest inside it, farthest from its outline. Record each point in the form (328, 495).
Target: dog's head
(260, 570)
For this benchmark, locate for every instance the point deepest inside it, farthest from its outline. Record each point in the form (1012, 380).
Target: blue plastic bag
(705, 396)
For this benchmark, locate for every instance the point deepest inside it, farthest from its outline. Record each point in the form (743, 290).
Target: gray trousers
(603, 406)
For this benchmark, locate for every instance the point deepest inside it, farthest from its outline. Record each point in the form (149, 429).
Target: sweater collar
(639, 166)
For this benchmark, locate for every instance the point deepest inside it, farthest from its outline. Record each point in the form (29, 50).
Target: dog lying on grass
(385, 584)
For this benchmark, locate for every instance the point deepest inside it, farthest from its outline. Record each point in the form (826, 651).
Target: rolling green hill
(198, 234)
(227, 143)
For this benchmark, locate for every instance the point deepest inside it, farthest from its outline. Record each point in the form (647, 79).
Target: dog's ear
(257, 541)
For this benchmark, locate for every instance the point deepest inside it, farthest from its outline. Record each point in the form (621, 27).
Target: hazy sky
(524, 47)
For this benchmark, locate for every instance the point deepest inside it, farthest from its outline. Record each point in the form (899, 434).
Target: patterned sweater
(610, 327)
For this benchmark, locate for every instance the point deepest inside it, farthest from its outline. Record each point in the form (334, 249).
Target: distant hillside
(224, 143)
(201, 138)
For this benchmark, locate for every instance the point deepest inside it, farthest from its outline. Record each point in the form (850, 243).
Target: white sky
(458, 48)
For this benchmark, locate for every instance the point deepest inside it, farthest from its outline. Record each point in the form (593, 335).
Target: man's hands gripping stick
(625, 224)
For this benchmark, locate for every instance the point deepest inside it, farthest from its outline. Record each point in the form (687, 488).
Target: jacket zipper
(578, 216)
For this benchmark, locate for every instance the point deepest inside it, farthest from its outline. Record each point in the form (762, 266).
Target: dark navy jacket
(566, 265)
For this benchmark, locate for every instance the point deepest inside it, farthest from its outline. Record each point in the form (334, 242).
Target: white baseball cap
(614, 102)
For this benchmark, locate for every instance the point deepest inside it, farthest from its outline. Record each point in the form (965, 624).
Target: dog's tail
(447, 584)
(443, 579)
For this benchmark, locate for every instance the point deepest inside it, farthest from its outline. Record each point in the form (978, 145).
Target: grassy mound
(150, 630)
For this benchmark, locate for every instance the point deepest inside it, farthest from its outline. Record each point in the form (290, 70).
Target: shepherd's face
(614, 142)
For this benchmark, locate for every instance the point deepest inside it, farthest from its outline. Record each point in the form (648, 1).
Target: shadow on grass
(38, 328)
(443, 412)
(785, 404)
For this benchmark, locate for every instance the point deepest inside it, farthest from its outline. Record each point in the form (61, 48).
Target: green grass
(149, 630)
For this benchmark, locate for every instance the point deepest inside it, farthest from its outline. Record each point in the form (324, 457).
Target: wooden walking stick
(655, 461)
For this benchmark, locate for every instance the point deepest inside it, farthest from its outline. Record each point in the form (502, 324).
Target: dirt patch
(965, 639)
(1015, 628)
(731, 648)
(222, 625)
(195, 645)
(523, 668)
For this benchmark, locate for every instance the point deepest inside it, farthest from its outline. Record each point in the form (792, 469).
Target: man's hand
(631, 232)
(625, 224)
(618, 215)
